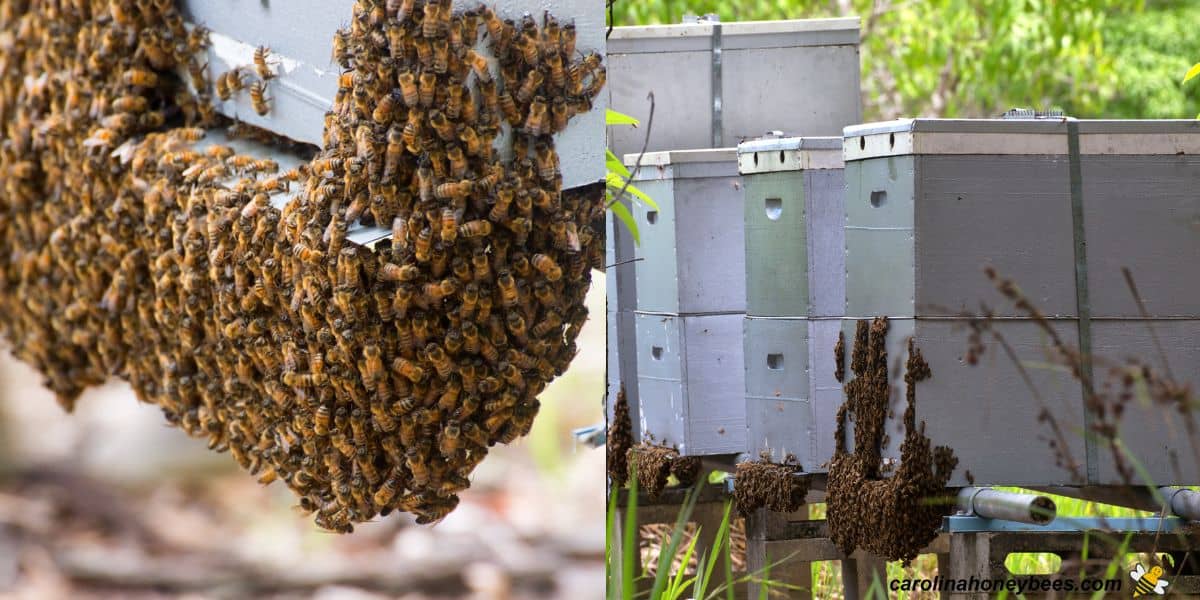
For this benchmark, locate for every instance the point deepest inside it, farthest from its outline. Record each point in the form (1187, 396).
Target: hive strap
(717, 124)
(1082, 300)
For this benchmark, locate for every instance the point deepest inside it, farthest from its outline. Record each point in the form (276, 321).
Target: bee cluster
(762, 484)
(890, 516)
(368, 380)
(653, 466)
(619, 440)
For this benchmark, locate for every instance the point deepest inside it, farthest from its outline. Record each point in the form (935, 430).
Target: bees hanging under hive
(777, 487)
(368, 380)
(895, 516)
(654, 465)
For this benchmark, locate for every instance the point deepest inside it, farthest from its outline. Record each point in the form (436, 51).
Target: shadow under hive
(367, 379)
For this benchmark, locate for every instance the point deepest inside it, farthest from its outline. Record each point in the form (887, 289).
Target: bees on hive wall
(367, 380)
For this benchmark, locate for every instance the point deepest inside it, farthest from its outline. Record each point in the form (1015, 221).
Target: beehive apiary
(1059, 207)
(716, 84)
(690, 299)
(368, 377)
(795, 295)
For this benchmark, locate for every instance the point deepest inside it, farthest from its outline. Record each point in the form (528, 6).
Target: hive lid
(685, 164)
(740, 35)
(772, 154)
(1019, 136)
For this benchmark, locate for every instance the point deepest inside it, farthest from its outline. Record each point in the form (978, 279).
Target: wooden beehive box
(690, 300)
(691, 255)
(795, 295)
(930, 203)
(717, 83)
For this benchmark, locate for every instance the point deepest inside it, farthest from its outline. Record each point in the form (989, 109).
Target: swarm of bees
(894, 515)
(369, 380)
(764, 484)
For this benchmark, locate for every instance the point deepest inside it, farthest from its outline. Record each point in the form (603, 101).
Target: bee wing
(1137, 572)
(1161, 587)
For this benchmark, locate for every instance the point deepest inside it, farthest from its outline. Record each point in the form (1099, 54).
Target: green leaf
(622, 213)
(614, 164)
(629, 545)
(1192, 72)
(612, 117)
(616, 182)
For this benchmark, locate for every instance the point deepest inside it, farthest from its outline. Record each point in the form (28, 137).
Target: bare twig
(1133, 291)
(645, 144)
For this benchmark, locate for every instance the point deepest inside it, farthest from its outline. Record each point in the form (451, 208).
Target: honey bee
(383, 497)
(259, 99)
(458, 189)
(508, 108)
(479, 65)
(136, 77)
(529, 87)
(535, 123)
(450, 439)
(441, 54)
(475, 229)
(559, 114)
(427, 86)
(261, 65)
(384, 111)
(341, 48)
(442, 126)
(321, 421)
(508, 288)
(547, 267)
(408, 369)
(439, 358)
(408, 88)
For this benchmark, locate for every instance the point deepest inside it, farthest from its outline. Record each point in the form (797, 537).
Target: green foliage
(964, 58)
(617, 179)
(1152, 51)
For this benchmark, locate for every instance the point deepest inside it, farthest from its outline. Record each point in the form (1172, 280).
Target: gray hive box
(737, 80)
(931, 202)
(620, 300)
(795, 273)
(690, 382)
(793, 215)
(692, 251)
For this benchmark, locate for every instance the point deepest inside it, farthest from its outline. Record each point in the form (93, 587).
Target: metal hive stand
(971, 546)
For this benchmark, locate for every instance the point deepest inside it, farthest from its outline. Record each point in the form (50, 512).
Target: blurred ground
(111, 502)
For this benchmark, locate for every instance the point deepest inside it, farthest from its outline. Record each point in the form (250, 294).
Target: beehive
(690, 382)
(931, 202)
(691, 257)
(717, 83)
(795, 295)
(690, 299)
(621, 363)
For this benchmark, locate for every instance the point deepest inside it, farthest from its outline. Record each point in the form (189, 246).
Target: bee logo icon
(1146, 582)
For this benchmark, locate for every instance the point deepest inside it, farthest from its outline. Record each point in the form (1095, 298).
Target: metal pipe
(1180, 502)
(1183, 502)
(995, 504)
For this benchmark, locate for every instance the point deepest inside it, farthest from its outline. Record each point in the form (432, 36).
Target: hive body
(793, 215)
(800, 77)
(930, 203)
(690, 299)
